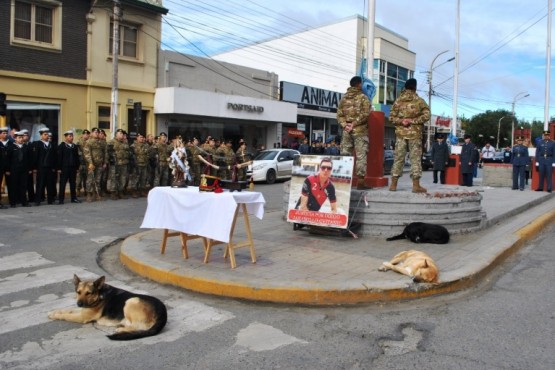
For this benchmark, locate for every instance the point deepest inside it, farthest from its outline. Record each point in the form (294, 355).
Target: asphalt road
(505, 323)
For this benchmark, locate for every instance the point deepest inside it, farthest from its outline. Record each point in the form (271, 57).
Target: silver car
(272, 164)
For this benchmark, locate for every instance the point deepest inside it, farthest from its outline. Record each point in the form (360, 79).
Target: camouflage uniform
(118, 171)
(209, 154)
(226, 162)
(95, 158)
(409, 106)
(196, 164)
(137, 182)
(104, 177)
(242, 157)
(354, 109)
(82, 171)
(163, 151)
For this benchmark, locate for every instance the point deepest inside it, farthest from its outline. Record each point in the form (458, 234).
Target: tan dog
(136, 315)
(415, 264)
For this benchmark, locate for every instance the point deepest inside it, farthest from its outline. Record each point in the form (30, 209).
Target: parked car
(427, 161)
(272, 164)
(388, 158)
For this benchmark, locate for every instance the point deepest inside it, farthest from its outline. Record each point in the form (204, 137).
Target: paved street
(505, 322)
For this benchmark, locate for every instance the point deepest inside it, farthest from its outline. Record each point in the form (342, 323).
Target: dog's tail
(396, 237)
(161, 319)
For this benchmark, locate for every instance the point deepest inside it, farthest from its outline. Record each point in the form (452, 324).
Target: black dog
(420, 232)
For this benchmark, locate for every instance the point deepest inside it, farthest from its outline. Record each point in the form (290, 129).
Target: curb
(319, 297)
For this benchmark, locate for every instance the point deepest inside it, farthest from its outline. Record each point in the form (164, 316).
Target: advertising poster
(320, 191)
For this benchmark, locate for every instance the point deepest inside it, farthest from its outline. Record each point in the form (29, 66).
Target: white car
(272, 164)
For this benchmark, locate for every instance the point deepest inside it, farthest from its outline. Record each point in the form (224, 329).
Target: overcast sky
(502, 43)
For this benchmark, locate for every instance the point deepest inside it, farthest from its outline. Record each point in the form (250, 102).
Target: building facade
(326, 58)
(57, 63)
(200, 97)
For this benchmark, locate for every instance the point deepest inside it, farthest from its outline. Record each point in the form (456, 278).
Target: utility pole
(115, 60)
(499, 131)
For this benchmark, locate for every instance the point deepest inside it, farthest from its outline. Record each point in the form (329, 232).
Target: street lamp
(517, 97)
(430, 92)
(498, 129)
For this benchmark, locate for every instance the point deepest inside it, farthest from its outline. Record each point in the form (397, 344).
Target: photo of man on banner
(320, 191)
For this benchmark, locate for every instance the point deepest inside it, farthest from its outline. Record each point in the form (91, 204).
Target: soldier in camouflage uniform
(104, 179)
(151, 168)
(209, 154)
(352, 114)
(119, 149)
(163, 151)
(82, 171)
(227, 159)
(137, 181)
(408, 114)
(242, 157)
(95, 157)
(194, 162)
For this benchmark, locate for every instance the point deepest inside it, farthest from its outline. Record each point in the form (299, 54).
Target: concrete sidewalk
(297, 267)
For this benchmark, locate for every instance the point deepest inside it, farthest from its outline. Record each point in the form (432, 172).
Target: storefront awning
(31, 106)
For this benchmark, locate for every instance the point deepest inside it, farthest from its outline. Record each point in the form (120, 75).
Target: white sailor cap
(69, 132)
(43, 130)
(24, 131)
(19, 133)
(4, 129)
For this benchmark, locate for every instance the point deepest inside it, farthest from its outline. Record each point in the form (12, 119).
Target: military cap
(163, 134)
(49, 134)
(25, 131)
(43, 130)
(85, 131)
(139, 134)
(440, 136)
(120, 130)
(468, 136)
(410, 84)
(229, 141)
(519, 138)
(19, 133)
(95, 129)
(124, 132)
(546, 133)
(69, 132)
(3, 129)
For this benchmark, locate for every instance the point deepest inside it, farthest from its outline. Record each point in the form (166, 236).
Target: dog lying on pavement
(136, 315)
(415, 264)
(420, 232)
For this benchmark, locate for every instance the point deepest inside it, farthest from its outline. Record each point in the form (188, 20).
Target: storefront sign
(308, 97)
(295, 133)
(245, 108)
(301, 126)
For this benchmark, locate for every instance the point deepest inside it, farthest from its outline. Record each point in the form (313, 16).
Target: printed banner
(320, 192)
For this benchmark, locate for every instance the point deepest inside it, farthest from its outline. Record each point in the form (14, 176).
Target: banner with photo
(320, 192)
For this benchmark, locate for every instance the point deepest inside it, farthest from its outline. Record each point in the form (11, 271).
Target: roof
(152, 5)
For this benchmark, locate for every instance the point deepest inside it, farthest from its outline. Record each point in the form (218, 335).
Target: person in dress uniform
(469, 157)
(520, 159)
(545, 152)
(440, 158)
(68, 163)
(3, 159)
(18, 168)
(44, 164)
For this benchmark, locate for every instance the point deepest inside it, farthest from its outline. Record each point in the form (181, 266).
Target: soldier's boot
(134, 194)
(393, 186)
(99, 197)
(114, 195)
(121, 195)
(416, 188)
(360, 183)
(89, 198)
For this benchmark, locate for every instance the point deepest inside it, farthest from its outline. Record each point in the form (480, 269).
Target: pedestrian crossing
(31, 286)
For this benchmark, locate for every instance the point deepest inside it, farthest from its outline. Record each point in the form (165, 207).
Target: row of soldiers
(103, 168)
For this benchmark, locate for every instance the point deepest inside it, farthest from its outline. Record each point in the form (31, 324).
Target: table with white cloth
(206, 215)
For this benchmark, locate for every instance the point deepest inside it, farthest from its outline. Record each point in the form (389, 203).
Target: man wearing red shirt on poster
(317, 188)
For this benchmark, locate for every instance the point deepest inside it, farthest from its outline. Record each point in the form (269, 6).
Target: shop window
(104, 114)
(128, 36)
(36, 23)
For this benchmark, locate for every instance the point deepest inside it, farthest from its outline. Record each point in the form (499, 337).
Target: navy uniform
(18, 168)
(520, 159)
(3, 158)
(68, 163)
(469, 157)
(45, 162)
(545, 151)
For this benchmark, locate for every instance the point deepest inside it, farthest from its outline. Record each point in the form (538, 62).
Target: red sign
(295, 133)
(444, 122)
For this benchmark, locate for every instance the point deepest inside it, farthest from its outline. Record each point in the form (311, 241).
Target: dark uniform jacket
(19, 160)
(469, 157)
(440, 155)
(520, 155)
(45, 157)
(68, 156)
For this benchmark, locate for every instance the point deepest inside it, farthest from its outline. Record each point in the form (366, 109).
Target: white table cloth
(198, 213)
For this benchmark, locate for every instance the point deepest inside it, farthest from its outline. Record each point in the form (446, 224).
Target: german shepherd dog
(420, 232)
(136, 315)
(415, 264)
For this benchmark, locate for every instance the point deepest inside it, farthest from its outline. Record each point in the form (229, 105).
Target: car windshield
(265, 156)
